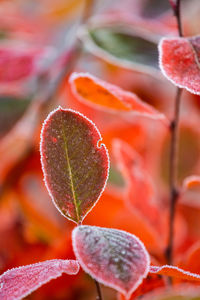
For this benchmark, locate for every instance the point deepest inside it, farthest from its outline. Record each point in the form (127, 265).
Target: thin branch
(98, 287)
(176, 6)
(174, 193)
(177, 13)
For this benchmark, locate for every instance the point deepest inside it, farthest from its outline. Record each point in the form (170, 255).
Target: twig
(99, 294)
(174, 192)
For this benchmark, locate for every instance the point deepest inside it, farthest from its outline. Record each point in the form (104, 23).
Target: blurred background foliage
(41, 43)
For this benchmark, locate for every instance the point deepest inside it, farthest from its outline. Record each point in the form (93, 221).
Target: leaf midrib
(70, 173)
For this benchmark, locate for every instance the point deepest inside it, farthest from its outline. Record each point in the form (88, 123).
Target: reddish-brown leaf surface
(114, 257)
(19, 282)
(180, 62)
(75, 165)
(106, 96)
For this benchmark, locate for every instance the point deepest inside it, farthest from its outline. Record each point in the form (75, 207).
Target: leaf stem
(176, 6)
(177, 13)
(98, 287)
(174, 192)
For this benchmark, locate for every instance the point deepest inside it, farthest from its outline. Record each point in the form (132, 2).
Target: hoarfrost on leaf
(114, 257)
(19, 282)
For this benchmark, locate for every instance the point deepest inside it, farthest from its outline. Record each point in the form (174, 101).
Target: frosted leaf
(174, 271)
(108, 97)
(113, 257)
(75, 166)
(19, 282)
(180, 62)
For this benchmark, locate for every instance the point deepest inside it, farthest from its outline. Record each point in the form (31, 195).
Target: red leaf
(20, 282)
(180, 62)
(151, 283)
(173, 4)
(109, 97)
(140, 191)
(17, 63)
(74, 163)
(174, 272)
(113, 257)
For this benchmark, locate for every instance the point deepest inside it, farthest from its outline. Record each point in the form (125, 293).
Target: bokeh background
(41, 43)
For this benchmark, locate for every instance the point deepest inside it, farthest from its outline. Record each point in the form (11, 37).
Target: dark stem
(178, 17)
(177, 12)
(174, 193)
(98, 287)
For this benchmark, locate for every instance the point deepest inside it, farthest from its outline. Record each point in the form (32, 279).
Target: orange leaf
(191, 181)
(109, 97)
(174, 271)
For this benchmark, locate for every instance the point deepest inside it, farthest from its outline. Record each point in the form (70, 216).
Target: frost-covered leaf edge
(160, 54)
(157, 269)
(99, 145)
(49, 279)
(156, 115)
(84, 267)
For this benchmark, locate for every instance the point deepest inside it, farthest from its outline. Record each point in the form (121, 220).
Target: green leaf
(75, 166)
(123, 46)
(11, 110)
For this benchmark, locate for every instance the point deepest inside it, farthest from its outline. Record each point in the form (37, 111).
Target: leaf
(122, 43)
(190, 191)
(180, 62)
(140, 191)
(106, 96)
(11, 109)
(191, 259)
(17, 63)
(19, 282)
(113, 257)
(191, 181)
(150, 283)
(74, 161)
(180, 292)
(173, 4)
(174, 271)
